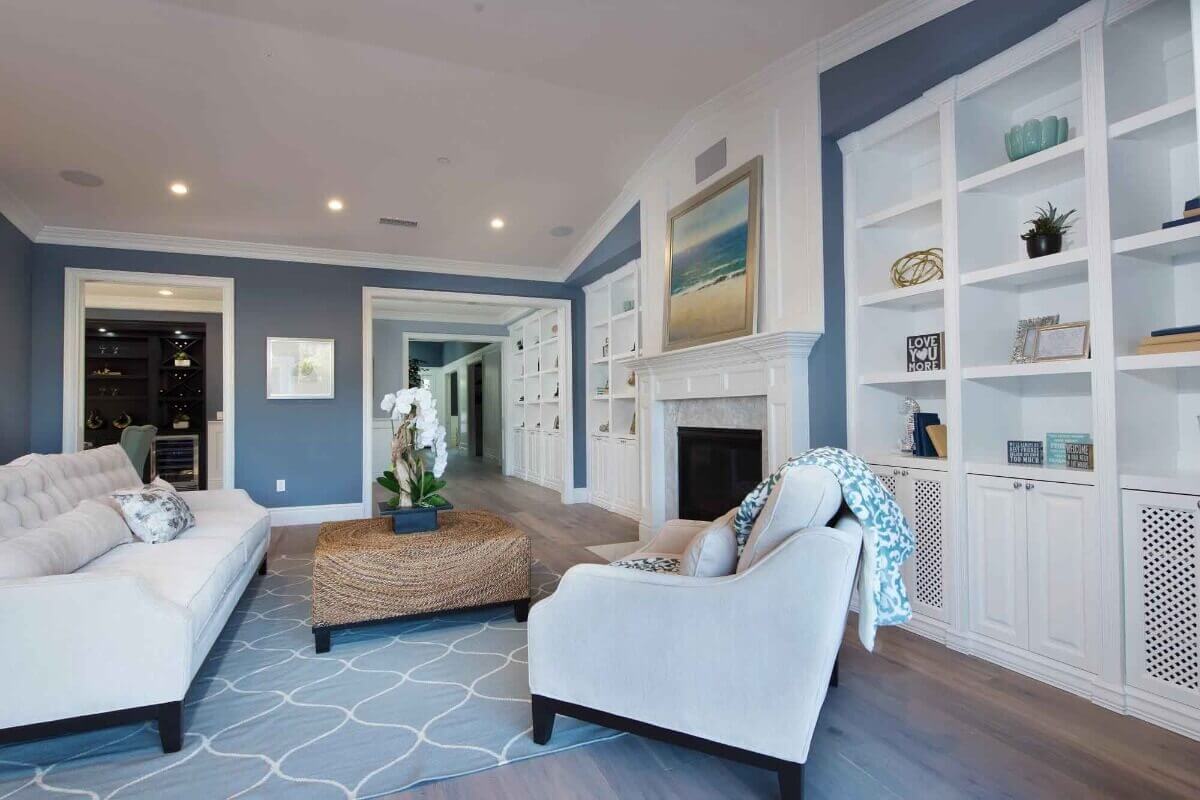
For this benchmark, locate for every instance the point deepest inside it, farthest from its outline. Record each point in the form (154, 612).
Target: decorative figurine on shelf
(632, 379)
(604, 349)
(604, 427)
(917, 267)
(910, 409)
(94, 421)
(556, 391)
(633, 425)
(627, 305)
(554, 329)
(122, 422)
(520, 345)
(556, 362)
(1045, 237)
(522, 400)
(415, 424)
(556, 423)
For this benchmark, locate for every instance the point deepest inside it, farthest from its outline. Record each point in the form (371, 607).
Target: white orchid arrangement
(415, 427)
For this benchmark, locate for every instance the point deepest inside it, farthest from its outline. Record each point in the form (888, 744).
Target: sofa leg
(521, 610)
(262, 568)
(791, 782)
(543, 719)
(833, 678)
(170, 726)
(321, 641)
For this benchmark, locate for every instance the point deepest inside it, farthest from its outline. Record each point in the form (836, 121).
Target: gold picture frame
(1064, 342)
(711, 284)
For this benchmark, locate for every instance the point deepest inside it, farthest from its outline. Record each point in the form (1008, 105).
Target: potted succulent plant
(181, 421)
(1045, 237)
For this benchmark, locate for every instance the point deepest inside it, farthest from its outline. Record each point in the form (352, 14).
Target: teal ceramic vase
(1034, 136)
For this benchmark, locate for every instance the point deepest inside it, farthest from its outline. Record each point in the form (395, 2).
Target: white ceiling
(544, 107)
(444, 311)
(146, 297)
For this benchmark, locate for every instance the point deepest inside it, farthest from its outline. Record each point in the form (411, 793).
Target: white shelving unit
(614, 467)
(536, 420)
(1053, 572)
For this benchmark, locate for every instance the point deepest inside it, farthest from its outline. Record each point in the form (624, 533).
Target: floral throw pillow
(155, 514)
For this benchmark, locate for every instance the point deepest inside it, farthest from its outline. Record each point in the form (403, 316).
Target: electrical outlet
(281, 485)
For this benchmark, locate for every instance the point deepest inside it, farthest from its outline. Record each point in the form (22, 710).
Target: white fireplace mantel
(771, 365)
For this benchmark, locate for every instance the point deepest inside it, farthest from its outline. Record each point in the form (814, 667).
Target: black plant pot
(414, 519)
(1043, 244)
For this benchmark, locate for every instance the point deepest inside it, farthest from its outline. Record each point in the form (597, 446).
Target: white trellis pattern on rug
(390, 707)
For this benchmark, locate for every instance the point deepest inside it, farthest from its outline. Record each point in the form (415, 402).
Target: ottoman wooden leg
(521, 610)
(321, 638)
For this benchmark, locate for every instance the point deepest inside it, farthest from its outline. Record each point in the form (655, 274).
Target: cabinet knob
(895, 472)
(904, 473)
(1029, 485)
(1016, 484)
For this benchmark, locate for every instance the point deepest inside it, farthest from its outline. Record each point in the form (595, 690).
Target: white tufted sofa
(121, 638)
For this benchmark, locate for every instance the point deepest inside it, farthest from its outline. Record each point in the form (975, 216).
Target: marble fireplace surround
(758, 382)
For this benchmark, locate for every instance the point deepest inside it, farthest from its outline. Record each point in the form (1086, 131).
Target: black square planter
(414, 519)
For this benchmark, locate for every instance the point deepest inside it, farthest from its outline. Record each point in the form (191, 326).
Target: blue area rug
(388, 707)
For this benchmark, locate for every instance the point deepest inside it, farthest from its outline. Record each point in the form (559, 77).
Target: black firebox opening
(718, 467)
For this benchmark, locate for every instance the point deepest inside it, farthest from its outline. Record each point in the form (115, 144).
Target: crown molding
(19, 214)
(86, 237)
(872, 29)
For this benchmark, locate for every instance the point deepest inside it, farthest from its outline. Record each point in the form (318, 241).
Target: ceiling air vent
(403, 223)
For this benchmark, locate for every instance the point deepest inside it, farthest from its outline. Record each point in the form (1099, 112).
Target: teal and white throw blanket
(887, 539)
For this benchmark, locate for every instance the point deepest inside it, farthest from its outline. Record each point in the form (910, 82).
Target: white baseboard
(311, 515)
(575, 495)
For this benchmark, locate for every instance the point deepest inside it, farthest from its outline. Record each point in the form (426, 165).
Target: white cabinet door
(997, 559)
(924, 506)
(1162, 583)
(553, 460)
(535, 455)
(625, 477)
(598, 474)
(518, 453)
(1064, 572)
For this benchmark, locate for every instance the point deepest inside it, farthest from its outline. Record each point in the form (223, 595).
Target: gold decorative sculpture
(917, 267)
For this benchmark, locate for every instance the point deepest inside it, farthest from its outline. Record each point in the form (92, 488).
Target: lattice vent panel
(927, 527)
(1170, 539)
(889, 481)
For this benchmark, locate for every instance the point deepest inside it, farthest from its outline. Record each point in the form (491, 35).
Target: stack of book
(922, 444)
(1171, 340)
(1191, 213)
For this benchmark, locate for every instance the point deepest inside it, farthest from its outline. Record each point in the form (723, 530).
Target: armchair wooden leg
(521, 610)
(170, 726)
(833, 678)
(791, 782)
(543, 719)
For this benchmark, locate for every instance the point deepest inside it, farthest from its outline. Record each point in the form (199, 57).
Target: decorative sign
(1024, 452)
(926, 352)
(1056, 452)
(1079, 455)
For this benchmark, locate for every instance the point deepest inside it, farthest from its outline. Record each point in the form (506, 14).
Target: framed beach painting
(299, 369)
(712, 261)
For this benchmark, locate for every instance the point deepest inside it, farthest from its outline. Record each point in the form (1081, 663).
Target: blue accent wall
(453, 351)
(867, 88)
(315, 444)
(391, 373)
(618, 247)
(16, 271)
(430, 354)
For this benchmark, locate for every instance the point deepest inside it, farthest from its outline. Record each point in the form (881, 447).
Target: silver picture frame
(1066, 342)
(1024, 344)
(300, 369)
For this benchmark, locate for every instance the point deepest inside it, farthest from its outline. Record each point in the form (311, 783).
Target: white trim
(881, 25)
(74, 317)
(433, 316)
(311, 515)
(370, 293)
(19, 214)
(158, 243)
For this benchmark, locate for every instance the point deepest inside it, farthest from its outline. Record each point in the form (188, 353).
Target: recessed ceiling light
(81, 178)
(561, 231)
(179, 187)
(335, 204)
(443, 160)
(179, 333)
(165, 292)
(102, 330)
(497, 223)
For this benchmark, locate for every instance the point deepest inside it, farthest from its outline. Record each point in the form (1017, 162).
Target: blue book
(1192, 204)
(1174, 331)
(1175, 223)
(923, 444)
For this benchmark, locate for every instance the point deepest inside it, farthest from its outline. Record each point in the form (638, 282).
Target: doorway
(475, 372)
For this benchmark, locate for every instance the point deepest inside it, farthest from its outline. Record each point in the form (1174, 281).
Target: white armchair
(736, 666)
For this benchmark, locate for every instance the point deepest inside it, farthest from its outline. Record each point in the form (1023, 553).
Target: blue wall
(453, 351)
(391, 374)
(315, 444)
(618, 247)
(864, 89)
(430, 354)
(16, 266)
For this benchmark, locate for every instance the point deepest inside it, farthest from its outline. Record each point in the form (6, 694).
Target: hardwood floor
(912, 720)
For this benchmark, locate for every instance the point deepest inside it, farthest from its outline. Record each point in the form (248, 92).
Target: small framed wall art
(1079, 455)
(299, 369)
(1062, 342)
(1056, 446)
(926, 352)
(1026, 338)
(1024, 452)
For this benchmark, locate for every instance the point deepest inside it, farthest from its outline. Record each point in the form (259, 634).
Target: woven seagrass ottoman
(363, 573)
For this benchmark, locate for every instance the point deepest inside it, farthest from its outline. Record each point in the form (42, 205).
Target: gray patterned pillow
(154, 514)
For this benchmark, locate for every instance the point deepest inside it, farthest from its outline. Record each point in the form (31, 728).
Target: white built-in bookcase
(535, 416)
(1073, 599)
(612, 316)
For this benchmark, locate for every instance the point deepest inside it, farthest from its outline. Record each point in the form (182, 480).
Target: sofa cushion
(245, 527)
(89, 474)
(63, 544)
(712, 552)
(25, 500)
(154, 514)
(650, 562)
(804, 497)
(193, 574)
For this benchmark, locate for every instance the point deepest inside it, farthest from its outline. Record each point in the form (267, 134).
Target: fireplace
(718, 467)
